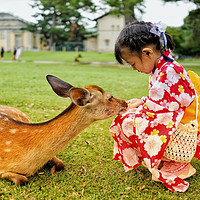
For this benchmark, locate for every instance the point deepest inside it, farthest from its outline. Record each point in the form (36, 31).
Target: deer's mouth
(125, 106)
(122, 111)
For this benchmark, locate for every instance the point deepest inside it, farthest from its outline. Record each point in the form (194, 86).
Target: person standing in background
(2, 53)
(14, 54)
(18, 53)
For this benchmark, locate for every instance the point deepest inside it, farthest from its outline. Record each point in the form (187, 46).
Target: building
(108, 29)
(12, 36)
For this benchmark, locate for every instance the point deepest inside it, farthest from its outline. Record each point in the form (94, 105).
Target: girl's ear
(147, 52)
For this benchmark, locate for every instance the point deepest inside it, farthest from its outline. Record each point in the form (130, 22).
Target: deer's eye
(110, 99)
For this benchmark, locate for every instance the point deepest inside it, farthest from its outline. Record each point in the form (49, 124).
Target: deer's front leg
(57, 164)
(18, 179)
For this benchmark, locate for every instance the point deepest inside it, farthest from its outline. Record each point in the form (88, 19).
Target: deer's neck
(64, 127)
(55, 134)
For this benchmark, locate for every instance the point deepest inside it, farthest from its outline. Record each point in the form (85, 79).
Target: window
(107, 41)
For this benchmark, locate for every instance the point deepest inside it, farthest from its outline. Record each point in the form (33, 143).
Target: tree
(178, 36)
(125, 7)
(191, 30)
(56, 18)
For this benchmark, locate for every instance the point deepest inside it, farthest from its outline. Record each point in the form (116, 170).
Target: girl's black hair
(135, 36)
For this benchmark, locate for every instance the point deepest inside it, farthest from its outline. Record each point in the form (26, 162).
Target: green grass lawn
(65, 56)
(90, 172)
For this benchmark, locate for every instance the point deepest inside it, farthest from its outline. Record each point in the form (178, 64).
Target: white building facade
(108, 29)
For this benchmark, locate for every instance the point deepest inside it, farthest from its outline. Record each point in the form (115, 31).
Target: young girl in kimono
(143, 132)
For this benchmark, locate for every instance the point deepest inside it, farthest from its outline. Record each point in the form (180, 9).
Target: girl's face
(145, 63)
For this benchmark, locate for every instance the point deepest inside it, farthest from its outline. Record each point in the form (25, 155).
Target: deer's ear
(79, 96)
(61, 88)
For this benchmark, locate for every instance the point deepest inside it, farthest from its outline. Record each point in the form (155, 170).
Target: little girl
(143, 132)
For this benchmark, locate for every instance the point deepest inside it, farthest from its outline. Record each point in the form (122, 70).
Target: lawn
(63, 56)
(90, 172)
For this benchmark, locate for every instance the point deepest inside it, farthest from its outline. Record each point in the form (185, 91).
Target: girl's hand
(133, 103)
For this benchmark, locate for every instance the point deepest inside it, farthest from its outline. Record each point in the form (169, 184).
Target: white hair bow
(159, 30)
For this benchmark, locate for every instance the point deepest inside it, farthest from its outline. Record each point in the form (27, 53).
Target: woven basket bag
(183, 142)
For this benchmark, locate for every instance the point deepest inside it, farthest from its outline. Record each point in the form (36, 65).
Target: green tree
(191, 31)
(125, 7)
(56, 18)
(178, 36)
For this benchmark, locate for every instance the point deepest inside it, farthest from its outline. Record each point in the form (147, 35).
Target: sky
(172, 14)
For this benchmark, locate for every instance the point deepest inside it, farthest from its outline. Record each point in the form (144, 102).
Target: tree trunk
(130, 17)
(51, 39)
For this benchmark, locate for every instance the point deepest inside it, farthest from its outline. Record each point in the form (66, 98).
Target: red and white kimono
(143, 135)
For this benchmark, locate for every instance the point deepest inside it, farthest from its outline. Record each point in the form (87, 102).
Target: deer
(26, 147)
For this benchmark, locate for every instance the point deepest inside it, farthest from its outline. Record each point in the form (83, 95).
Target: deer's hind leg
(18, 179)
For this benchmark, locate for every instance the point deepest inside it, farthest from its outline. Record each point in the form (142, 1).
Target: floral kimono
(142, 136)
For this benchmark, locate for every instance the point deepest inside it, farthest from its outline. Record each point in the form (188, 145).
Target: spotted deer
(25, 147)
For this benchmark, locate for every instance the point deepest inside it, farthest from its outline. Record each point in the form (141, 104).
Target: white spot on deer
(13, 131)
(8, 142)
(1, 129)
(7, 150)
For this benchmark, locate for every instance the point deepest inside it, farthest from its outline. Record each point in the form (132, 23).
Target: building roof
(5, 15)
(105, 14)
(8, 21)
